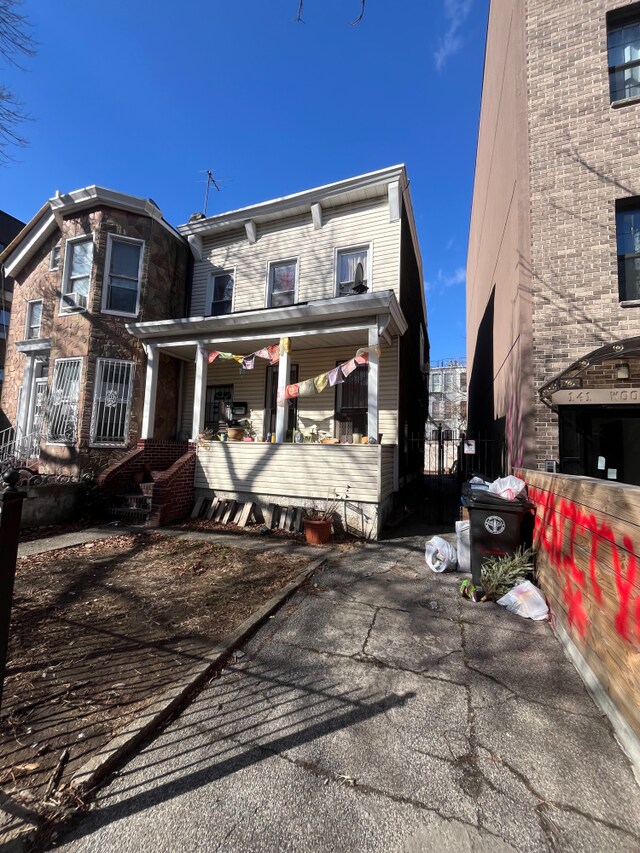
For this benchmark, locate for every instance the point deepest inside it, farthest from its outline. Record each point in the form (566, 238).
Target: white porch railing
(305, 471)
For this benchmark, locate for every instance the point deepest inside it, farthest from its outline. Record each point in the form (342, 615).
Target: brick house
(85, 265)
(553, 273)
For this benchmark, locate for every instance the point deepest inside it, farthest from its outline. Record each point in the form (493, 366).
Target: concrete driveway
(379, 711)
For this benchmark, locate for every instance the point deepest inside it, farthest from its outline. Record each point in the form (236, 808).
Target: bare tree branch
(361, 15)
(363, 3)
(15, 41)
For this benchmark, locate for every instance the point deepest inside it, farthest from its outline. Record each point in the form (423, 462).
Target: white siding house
(326, 276)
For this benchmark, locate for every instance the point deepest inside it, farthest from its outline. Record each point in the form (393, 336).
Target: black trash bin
(497, 527)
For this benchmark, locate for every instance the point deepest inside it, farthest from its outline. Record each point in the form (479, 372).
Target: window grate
(63, 407)
(112, 403)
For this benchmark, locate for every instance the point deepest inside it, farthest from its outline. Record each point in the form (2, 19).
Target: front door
(271, 400)
(352, 404)
(217, 410)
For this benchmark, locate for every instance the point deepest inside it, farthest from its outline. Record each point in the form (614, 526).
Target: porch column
(372, 403)
(150, 390)
(200, 391)
(284, 372)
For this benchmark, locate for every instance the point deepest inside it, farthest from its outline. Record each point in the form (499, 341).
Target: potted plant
(318, 521)
(235, 431)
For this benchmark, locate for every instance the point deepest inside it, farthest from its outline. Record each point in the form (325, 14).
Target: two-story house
(307, 318)
(133, 346)
(87, 263)
(9, 227)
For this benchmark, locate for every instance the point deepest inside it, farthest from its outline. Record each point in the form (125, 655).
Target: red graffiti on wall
(552, 518)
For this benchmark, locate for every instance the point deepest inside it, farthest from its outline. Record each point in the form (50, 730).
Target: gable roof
(41, 226)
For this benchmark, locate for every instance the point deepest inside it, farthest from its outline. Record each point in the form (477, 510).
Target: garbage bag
(439, 554)
(463, 545)
(526, 600)
(507, 487)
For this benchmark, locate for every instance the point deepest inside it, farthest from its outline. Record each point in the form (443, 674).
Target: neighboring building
(288, 269)
(447, 418)
(327, 277)
(553, 274)
(9, 227)
(87, 263)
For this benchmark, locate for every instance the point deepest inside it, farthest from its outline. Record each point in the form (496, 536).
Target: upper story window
(436, 382)
(628, 239)
(347, 263)
(623, 42)
(54, 258)
(282, 284)
(78, 263)
(448, 381)
(123, 273)
(34, 320)
(220, 294)
(5, 316)
(463, 380)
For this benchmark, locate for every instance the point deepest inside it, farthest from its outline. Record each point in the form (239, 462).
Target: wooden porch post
(200, 391)
(150, 390)
(284, 368)
(372, 416)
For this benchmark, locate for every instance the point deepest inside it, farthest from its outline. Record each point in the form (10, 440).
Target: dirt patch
(100, 629)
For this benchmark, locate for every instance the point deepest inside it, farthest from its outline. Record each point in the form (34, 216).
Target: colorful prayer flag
(335, 377)
(321, 382)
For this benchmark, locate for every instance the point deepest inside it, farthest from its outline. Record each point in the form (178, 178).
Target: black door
(271, 400)
(352, 402)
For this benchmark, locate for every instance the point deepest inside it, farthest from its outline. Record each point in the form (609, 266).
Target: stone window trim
(365, 248)
(111, 240)
(67, 288)
(272, 266)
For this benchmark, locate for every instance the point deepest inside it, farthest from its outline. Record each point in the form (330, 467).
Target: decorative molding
(316, 215)
(395, 201)
(251, 229)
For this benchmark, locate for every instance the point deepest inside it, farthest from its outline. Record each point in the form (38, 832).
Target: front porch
(225, 372)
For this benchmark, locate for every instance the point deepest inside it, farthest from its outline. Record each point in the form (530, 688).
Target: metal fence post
(11, 512)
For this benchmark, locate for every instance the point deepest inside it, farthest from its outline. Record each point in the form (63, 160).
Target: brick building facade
(9, 227)
(86, 265)
(553, 302)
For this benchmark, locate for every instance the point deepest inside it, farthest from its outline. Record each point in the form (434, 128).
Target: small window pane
(81, 258)
(123, 296)
(283, 284)
(347, 263)
(222, 294)
(125, 259)
(35, 320)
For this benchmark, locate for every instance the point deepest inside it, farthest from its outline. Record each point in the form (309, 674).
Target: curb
(89, 776)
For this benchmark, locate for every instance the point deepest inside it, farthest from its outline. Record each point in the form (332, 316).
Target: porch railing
(17, 450)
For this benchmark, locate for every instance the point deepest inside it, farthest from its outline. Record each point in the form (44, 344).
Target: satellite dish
(358, 280)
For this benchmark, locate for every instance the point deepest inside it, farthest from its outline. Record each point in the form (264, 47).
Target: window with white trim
(282, 284)
(34, 320)
(54, 258)
(123, 272)
(112, 403)
(220, 293)
(63, 406)
(78, 263)
(347, 264)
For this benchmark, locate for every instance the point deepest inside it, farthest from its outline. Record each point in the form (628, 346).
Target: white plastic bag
(526, 600)
(439, 554)
(463, 530)
(507, 487)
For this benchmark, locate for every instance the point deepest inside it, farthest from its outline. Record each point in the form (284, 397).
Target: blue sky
(141, 96)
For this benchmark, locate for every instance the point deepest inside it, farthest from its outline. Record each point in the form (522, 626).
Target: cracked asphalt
(379, 711)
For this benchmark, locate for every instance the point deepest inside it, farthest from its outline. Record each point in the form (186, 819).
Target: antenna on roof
(210, 180)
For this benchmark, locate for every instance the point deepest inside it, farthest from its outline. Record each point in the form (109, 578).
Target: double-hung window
(63, 406)
(112, 403)
(347, 265)
(436, 382)
(34, 320)
(54, 258)
(623, 43)
(123, 272)
(220, 295)
(78, 264)
(628, 240)
(5, 316)
(282, 284)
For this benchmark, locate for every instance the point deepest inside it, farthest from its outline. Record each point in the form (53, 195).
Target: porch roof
(337, 321)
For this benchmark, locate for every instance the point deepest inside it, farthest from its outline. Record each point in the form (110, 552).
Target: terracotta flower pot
(317, 531)
(235, 433)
